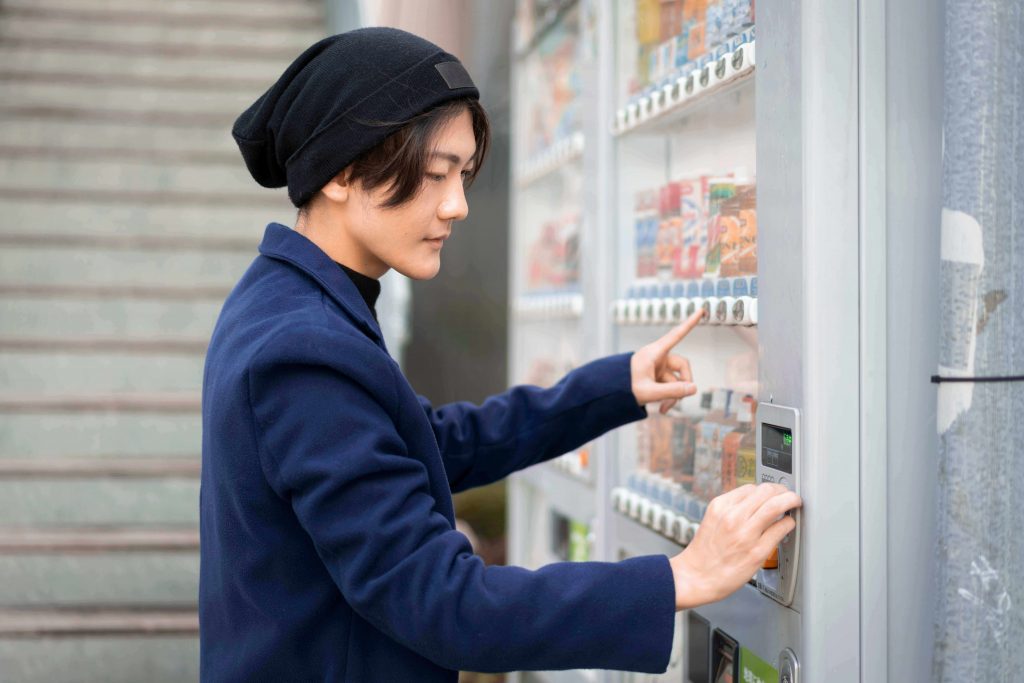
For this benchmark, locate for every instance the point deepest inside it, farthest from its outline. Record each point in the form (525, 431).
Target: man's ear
(338, 189)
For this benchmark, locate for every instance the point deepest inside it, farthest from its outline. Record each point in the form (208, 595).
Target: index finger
(676, 334)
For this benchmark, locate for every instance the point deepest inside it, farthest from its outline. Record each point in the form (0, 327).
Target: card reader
(778, 461)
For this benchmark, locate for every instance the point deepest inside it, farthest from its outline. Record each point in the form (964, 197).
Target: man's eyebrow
(449, 156)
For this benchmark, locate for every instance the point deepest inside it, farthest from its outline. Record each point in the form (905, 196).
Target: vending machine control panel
(778, 461)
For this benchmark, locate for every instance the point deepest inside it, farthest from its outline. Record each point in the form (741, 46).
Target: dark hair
(400, 160)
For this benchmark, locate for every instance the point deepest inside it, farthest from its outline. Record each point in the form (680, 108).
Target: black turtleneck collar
(368, 288)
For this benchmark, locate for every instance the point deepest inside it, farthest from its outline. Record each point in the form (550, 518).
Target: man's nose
(454, 207)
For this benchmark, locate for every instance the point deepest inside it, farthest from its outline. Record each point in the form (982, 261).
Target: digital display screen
(777, 448)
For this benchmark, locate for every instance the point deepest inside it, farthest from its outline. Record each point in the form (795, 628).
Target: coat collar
(284, 244)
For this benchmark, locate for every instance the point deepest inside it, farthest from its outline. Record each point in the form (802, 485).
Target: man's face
(409, 237)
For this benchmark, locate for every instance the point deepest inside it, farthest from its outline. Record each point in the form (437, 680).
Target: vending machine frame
(849, 178)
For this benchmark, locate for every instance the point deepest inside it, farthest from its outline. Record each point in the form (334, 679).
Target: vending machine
(751, 162)
(554, 505)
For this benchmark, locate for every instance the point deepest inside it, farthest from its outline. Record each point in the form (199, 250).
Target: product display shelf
(557, 156)
(721, 311)
(641, 539)
(567, 495)
(555, 13)
(714, 76)
(549, 306)
(576, 465)
(572, 676)
(659, 505)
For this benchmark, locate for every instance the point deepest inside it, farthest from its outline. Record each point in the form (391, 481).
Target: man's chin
(421, 271)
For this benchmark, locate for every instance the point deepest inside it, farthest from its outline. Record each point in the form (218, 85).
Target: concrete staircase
(126, 215)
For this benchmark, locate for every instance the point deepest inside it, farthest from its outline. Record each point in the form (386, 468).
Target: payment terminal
(778, 461)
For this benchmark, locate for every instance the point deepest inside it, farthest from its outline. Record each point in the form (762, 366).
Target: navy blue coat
(328, 548)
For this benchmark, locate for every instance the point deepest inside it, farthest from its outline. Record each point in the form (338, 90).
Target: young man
(328, 543)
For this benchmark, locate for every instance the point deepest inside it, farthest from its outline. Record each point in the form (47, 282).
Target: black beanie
(328, 106)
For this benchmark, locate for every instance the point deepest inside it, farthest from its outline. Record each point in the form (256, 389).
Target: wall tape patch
(963, 259)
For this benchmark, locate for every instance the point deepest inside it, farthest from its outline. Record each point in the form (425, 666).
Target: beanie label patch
(455, 75)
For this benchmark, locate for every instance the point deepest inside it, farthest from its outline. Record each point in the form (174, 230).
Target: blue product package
(739, 287)
(681, 51)
(753, 286)
(724, 288)
(712, 27)
(693, 289)
(707, 288)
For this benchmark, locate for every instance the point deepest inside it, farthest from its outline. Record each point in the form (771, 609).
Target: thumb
(663, 391)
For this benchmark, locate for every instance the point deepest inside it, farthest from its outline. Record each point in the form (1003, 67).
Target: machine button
(773, 560)
(786, 482)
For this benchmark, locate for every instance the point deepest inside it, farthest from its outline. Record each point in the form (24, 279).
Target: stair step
(110, 566)
(133, 242)
(98, 565)
(96, 621)
(132, 101)
(167, 82)
(161, 403)
(83, 372)
(137, 26)
(39, 132)
(144, 198)
(27, 58)
(267, 56)
(93, 177)
(121, 155)
(268, 10)
(57, 266)
(114, 291)
(96, 576)
(110, 434)
(187, 467)
(160, 501)
(155, 658)
(118, 578)
(94, 344)
(84, 217)
(126, 318)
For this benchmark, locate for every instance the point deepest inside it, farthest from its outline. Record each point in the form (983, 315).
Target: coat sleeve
(526, 424)
(365, 502)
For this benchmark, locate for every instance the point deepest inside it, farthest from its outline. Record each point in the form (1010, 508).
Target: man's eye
(437, 177)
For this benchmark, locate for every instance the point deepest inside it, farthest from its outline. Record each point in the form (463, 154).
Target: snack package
(668, 230)
(643, 446)
(746, 455)
(684, 448)
(661, 444)
(732, 443)
(748, 230)
(693, 231)
(738, 233)
(640, 223)
(648, 21)
(707, 481)
(720, 191)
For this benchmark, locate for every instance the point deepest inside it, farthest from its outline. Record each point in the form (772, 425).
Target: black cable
(936, 379)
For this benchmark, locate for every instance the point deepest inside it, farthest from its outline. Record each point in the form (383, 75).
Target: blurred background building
(126, 215)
